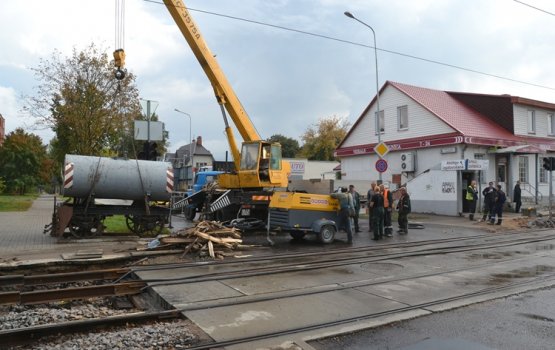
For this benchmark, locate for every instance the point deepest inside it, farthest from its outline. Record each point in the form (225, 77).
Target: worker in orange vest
(387, 204)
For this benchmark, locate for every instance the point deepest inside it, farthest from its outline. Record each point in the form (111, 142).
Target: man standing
(376, 203)
(516, 197)
(387, 204)
(404, 210)
(343, 220)
(356, 202)
(369, 196)
(499, 202)
(471, 198)
(489, 193)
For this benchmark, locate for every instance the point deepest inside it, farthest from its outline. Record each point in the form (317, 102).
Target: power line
(535, 8)
(475, 71)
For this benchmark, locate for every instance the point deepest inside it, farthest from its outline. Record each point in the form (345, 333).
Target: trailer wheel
(326, 234)
(297, 235)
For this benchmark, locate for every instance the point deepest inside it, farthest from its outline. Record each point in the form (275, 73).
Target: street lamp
(190, 139)
(378, 126)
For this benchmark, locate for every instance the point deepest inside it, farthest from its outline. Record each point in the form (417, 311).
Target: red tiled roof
(454, 113)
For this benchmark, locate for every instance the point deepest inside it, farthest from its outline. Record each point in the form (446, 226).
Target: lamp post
(190, 139)
(378, 126)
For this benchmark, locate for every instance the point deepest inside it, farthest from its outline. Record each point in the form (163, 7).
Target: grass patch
(16, 203)
(116, 224)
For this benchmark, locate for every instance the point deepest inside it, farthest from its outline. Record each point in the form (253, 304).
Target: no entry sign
(381, 165)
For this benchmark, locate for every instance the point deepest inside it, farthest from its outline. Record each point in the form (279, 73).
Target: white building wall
(302, 168)
(363, 167)
(421, 121)
(197, 159)
(520, 115)
(435, 192)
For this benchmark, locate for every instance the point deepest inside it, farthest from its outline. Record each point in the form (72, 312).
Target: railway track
(52, 291)
(60, 287)
(360, 255)
(334, 258)
(117, 282)
(369, 316)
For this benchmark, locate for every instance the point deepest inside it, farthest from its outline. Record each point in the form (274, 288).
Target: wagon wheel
(132, 223)
(145, 225)
(86, 226)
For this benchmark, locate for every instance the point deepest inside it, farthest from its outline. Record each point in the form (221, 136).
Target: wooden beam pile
(207, 236)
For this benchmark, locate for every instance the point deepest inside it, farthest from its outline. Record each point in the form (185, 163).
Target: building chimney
(199, 141)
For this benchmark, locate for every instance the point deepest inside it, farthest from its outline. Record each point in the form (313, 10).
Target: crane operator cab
(262, 166)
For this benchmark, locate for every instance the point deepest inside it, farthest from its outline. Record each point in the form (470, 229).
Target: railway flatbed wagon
(98, 187)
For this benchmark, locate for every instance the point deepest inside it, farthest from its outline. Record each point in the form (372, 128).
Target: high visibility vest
(470, 193)
(385, 199)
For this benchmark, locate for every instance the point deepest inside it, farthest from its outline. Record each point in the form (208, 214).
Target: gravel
(173, 334)
(20, 316)
(160, 335)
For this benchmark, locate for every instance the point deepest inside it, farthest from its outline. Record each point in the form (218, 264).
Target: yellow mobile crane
(259, 167)
(259, 164)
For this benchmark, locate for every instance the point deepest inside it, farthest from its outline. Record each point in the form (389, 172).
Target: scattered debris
(206, 238)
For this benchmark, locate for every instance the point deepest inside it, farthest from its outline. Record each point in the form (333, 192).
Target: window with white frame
(380, 122)
(523, 169)
(403, 117)
(550, 124)
(531, 122)
(543, 173)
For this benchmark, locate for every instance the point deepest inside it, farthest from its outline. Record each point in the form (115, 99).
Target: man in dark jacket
(356, 201)
(489, 193)
(516, 197)
(376, 203)
(403, 206)
(343, 219)
(369, 196)
(499, 202)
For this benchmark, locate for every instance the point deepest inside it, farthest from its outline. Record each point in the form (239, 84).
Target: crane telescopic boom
(259, 163)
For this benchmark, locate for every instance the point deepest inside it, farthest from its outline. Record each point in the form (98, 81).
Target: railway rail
(354, 256)
(119, 283)
(68, 293)
(369, 316)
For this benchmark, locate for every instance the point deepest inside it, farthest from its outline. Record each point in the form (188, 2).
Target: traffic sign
(381, 149)
(381, 165)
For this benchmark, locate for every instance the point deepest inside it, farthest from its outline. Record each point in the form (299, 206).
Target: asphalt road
(519, 322)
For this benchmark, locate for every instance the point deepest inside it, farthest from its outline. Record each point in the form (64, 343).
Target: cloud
(286, 80)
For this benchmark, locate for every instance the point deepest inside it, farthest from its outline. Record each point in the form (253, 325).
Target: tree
(23, 162)
(80, 100)
(321, 139)
(289, 146)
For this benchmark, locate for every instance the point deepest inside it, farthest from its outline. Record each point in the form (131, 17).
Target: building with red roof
(439, 141)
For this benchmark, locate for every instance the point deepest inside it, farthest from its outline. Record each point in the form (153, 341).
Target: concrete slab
(237, 321)
(194, 292)
(299, 280)
(432, 288)
(301, 338)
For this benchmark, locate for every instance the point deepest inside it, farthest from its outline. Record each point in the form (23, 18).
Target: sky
(286, 80)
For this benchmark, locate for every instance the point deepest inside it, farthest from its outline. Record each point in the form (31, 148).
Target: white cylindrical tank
(117, 178)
